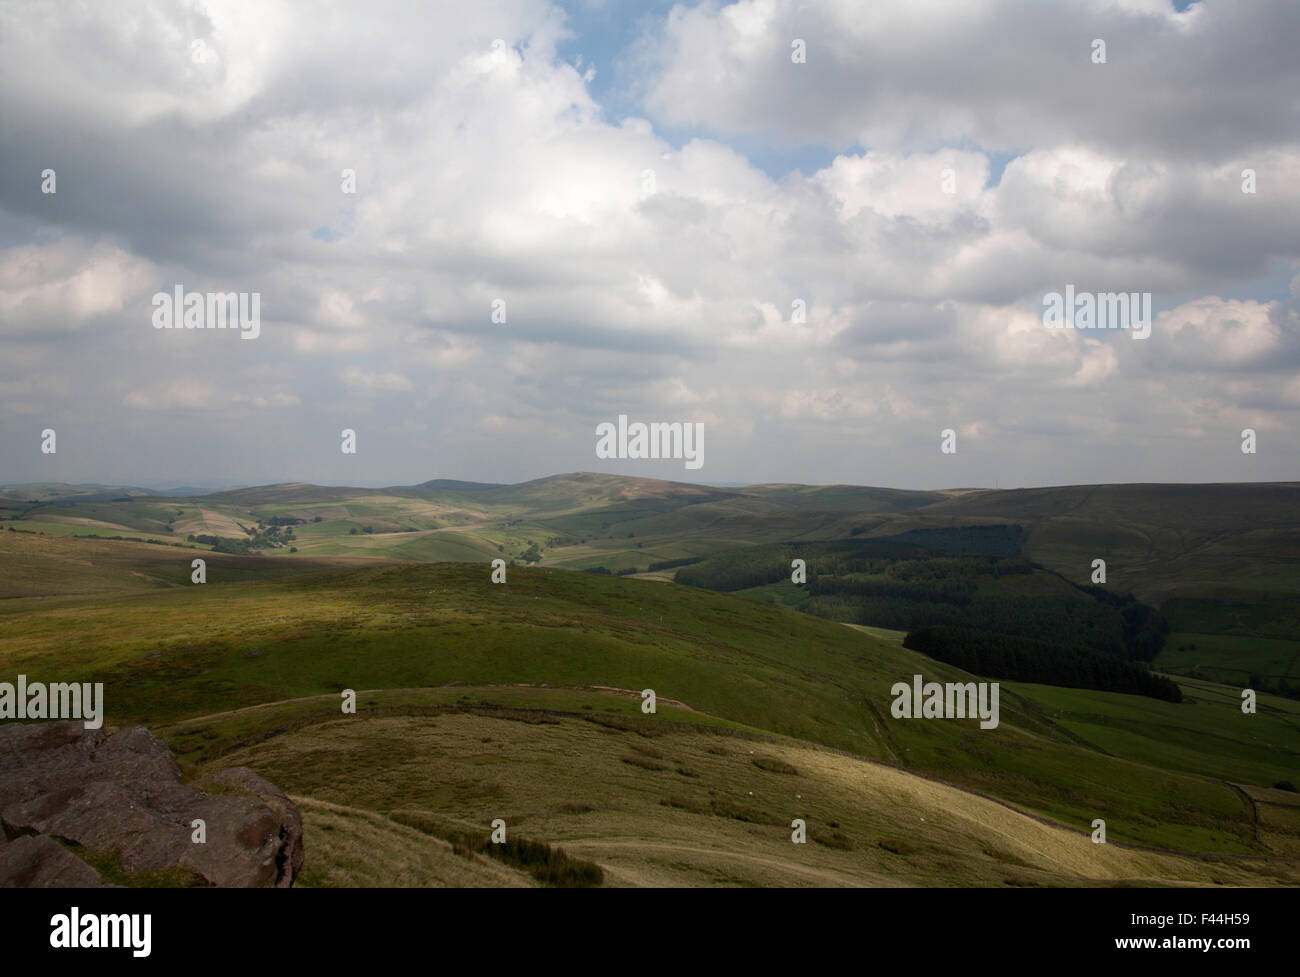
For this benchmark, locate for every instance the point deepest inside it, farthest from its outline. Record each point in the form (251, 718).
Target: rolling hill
(541, 677)
(521, 700)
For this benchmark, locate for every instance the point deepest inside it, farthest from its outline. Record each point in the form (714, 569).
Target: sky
(647, 194)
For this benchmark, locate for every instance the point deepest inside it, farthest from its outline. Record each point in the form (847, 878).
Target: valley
(520, 701)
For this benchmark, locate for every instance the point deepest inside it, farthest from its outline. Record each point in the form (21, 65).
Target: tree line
(947, 579)
(1046, 663)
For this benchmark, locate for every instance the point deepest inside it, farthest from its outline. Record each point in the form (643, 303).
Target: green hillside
(1225, 542)
(1161, 774)
(1223, 561)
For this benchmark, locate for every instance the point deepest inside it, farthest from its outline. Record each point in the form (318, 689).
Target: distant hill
(292, 492)
(54, 491)
(455, 485)
(846, 497)
(1219, 540)
(1223, 541)
(190, 491)
(583, 490)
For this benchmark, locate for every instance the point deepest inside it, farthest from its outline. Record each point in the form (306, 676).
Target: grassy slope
(1192, 776)
(55, 567)
(653, 800)
(183, 652)
(1225, 541)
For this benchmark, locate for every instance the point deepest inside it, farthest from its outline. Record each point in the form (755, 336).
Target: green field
(1229, 542)
(521, 700)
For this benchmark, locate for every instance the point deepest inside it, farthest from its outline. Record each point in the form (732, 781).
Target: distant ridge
(56, 491)
(191, 491)
(293, 492)
(602, 480)
(456, 485)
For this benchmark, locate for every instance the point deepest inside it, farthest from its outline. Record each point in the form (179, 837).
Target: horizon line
(214, 488)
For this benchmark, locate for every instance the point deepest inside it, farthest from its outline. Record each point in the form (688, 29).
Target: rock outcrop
(122, 796)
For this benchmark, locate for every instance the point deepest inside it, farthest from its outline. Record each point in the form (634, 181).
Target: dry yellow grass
(351, 847)
(599, 793)
(220, 524)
